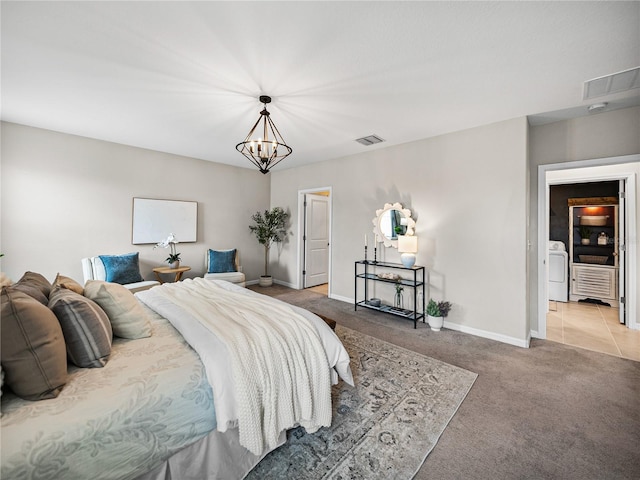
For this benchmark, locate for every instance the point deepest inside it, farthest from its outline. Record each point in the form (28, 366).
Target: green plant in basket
(438, 309)
(585, 232)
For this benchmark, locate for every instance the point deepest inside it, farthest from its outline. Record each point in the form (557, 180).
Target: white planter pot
(266, 281)
(436, 323)
(175, 264)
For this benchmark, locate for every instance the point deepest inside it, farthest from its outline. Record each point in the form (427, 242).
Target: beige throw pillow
(68, 283)
(33, 354)
(128, 318)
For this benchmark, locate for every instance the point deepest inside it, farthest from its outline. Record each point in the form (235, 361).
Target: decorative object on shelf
(585, 235)
(398, 301)
(593, 220)
(269, 227)
(393, 220)
(389, 276)
(408, 247)
(365, 246)
(595, 259)
(174, 257)
(375, 248)
(436, 311)
(375, 302)
(603, 239)
(264, 146)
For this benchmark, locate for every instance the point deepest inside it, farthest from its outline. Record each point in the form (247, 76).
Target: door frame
(301, 229)
(583, 176)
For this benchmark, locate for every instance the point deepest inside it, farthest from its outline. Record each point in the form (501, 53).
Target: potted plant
(174, 257)
(269, 227)
(436, 311)
(585, 235)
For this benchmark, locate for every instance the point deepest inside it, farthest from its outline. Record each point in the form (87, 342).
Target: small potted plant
(436, 311)
(174, 257)
(269, 227)
(585, 235)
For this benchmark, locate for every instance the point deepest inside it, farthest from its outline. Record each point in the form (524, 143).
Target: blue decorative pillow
(122, 269)
(221, 261)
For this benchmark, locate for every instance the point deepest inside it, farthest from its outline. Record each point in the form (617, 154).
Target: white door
(316, 240)
(621, 252)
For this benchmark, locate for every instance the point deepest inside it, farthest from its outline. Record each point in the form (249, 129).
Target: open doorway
(315, 239)
(609, 326)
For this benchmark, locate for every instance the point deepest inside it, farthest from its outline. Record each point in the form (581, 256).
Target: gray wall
(607, 134)
(66, 197)
(468, 194)
(472, 194)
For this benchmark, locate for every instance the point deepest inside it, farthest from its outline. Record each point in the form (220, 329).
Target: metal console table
(417, 281)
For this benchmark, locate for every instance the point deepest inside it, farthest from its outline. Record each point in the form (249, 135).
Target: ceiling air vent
(370, 140)
(614, 83)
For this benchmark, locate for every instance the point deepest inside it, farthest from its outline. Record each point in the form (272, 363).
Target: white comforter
(268, 362)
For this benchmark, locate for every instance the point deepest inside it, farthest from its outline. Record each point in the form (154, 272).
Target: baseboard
(490, 335)
(251, 282)
(340, 298)
(535, 334)
(285, 284)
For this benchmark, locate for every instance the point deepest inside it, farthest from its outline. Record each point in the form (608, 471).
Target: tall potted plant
(269, 227)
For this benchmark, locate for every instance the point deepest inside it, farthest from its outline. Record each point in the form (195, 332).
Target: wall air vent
(370, 140)
(614, 83)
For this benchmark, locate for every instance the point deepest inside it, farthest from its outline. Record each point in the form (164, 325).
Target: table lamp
(407, 246)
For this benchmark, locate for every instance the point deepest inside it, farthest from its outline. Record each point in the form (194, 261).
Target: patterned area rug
(384, 427)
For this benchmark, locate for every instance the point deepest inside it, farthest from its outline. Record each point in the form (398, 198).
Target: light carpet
(384, 427)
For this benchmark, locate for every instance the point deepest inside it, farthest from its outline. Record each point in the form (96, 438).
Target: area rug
(382, 428)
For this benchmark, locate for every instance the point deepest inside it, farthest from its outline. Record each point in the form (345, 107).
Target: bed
(153, 411)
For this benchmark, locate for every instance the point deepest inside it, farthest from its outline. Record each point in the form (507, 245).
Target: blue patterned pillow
(221, 261)
(122, 269)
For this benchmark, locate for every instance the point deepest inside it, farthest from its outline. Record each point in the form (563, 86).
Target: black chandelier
(264, 147)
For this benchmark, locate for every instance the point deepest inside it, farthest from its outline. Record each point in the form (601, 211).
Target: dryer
(558, 271)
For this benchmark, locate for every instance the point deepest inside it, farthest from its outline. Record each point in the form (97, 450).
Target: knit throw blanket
(280, 369)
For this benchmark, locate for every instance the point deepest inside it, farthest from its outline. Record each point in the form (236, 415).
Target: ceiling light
(264, 146)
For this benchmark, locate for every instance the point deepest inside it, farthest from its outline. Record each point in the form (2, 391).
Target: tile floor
(593, 327)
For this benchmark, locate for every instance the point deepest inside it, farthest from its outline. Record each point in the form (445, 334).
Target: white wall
(66, 197)
(468, 194)
(607, 134)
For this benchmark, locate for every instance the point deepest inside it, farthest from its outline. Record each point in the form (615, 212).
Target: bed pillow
(222, 261)
(128, 318)
(86, 328)
(122, 269)
(33, 353)
(68, 283)
(34, 285)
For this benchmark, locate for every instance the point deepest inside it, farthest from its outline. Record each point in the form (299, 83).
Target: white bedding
(184, 305)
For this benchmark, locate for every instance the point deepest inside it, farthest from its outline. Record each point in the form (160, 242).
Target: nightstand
(164, 270)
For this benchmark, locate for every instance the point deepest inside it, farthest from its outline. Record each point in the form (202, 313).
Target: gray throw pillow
(86, 328)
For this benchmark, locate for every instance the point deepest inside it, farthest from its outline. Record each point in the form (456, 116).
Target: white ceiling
(184, 77)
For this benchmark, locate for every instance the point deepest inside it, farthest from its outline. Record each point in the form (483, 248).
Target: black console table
(368, 271)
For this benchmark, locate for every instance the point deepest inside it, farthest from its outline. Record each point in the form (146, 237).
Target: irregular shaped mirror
(392, 220)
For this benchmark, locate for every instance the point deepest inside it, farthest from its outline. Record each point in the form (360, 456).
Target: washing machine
(558, 271)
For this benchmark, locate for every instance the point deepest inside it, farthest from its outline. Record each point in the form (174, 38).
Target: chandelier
(264, 146)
